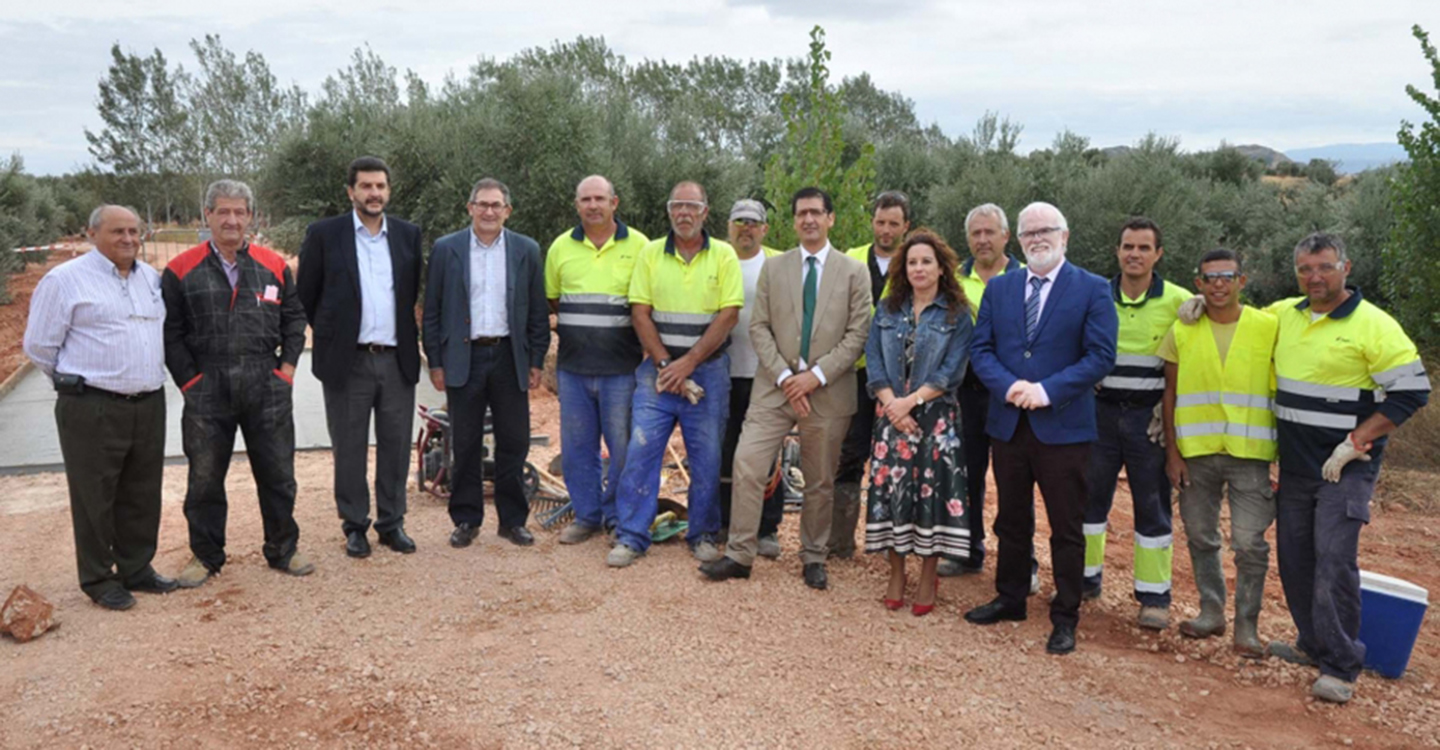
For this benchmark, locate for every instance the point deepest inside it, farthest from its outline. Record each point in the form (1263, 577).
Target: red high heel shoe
(893, 604)
(920, 610)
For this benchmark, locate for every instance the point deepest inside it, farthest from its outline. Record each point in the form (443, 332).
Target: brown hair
(949, 288)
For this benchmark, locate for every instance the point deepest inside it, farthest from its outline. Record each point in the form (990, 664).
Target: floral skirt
(917, 497)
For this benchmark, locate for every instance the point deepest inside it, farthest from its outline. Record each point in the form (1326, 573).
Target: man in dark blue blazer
(359, 278)
(486, 329)
(1043, 339)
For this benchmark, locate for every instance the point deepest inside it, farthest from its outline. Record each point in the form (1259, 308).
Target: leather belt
(487, 340)
(375, 348)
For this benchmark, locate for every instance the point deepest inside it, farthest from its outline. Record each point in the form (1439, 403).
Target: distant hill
(1349, 158)
(1352, 157)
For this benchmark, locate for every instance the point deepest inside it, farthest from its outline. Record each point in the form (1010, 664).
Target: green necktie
(811, 271)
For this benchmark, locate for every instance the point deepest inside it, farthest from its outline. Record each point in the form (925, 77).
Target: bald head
(115, 231)
(595, 201)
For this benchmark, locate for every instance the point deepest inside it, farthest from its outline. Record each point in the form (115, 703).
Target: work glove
(1344, 453)
(1191, 310)
(1156, 430)
(693, 391)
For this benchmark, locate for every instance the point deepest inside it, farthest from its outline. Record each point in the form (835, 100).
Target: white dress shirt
(377, 284)
(820, 257)
(487, 287)
(1051, 275)
(88, 320)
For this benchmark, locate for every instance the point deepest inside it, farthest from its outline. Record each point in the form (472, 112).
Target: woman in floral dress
(918, 347)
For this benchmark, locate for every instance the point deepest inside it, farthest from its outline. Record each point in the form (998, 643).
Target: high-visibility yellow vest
(1226, 408)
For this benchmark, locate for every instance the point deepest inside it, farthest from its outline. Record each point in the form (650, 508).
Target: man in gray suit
(486, 330)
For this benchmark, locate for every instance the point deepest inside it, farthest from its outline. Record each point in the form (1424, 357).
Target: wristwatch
(662, 364)
(919, 400)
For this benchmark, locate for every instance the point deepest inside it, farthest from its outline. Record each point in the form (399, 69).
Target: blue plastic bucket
(1390, 614)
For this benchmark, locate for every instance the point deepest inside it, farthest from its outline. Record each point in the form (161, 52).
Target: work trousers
(373, 385)
(854, 453)
(255, 398)
(1246, 481)
(114, 453)
(974, 409)
(1123, 442)
(1021, 463)
(1317, 535)
(492, 385)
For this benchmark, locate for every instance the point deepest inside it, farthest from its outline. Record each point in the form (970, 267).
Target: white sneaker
(577, 533)
(1034, 583)
(621, 556)
(705, 551)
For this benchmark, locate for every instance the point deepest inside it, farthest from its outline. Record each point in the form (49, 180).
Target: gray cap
(747, 208)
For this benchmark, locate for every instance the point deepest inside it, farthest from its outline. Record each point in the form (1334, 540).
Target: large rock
(26, 614)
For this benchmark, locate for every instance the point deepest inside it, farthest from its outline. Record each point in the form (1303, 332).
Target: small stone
(26, 614)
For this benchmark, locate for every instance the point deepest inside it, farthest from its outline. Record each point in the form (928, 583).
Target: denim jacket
(942, 349)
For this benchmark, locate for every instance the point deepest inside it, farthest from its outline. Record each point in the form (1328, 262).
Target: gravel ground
(497, 646)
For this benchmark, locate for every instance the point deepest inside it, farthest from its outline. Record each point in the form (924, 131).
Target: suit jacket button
(1027, 355)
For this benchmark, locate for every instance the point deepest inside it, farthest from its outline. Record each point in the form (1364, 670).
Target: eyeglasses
(693, 207)
(1035, 234)
(1228, 277)
(488, 207)
(746, 222)
(1324, 269)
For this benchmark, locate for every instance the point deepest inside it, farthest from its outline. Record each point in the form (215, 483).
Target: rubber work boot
(1210, 622)
(844, 518)
(1210, 580)
(1249, 592)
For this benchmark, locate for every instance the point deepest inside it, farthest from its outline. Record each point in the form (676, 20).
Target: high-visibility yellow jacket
(1226, 407)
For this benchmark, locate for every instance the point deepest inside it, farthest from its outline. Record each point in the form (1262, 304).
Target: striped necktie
(1032, 307)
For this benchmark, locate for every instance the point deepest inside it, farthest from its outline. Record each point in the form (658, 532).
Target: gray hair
(1040, 206)
(1320, 242)
(991, 210)
(97, 217)
(229, 189)
(490, 183)
(608, 184)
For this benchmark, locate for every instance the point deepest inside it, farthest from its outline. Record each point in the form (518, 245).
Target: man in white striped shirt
(96, 327)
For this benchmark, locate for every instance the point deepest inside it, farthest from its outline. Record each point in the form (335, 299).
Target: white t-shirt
(883, 264)
(743, 361)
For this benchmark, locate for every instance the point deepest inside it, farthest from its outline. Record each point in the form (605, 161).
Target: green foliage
(29, 215)
(1412, 268)
(812, 155)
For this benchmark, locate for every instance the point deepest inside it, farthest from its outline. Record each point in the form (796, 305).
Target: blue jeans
(592, 406)
(653, 417)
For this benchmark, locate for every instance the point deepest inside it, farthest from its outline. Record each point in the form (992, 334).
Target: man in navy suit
(487, 328)
(359, 278)
(1043, 339)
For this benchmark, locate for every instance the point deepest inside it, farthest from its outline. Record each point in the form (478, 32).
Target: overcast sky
(1280, 73)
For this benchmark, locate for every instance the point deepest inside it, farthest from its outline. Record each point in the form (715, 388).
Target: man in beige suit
(808, 326)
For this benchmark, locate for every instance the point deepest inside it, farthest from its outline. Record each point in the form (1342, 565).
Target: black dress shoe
(464, 534)
(995, 611)
(1062, 640)
(396, 539)
(815, 576)
(155, 584)
(116, 599)
(724, 569)
(518, 535)
(356, 545)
